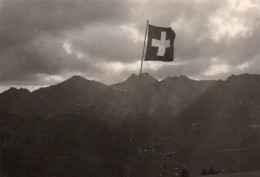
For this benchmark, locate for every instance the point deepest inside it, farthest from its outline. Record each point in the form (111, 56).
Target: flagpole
(136, 106)
(143, 52)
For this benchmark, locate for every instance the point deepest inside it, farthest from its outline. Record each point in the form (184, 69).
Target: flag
(160, 44)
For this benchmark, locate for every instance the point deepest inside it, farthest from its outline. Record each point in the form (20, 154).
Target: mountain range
(82, 127)
(79, 93)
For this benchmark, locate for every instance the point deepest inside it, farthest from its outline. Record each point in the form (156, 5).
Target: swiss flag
(160, 44)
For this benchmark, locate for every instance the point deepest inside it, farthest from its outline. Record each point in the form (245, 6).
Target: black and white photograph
(129, 88)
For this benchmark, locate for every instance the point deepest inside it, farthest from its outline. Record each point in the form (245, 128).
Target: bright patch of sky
(226, 26)
(67, 47)
(217, 69)
(243, 66)
(132, 32)
(243, 5)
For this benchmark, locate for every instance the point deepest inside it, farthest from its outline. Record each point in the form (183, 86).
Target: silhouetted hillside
(69, 96)
(83, 127)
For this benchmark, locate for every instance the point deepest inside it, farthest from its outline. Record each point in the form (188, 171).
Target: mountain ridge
(82, 118)
(78, 92)
(135, 76)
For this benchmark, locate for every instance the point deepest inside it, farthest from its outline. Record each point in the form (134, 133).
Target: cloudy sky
(44, 42)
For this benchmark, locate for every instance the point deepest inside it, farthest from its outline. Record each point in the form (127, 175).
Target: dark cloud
(32, 34)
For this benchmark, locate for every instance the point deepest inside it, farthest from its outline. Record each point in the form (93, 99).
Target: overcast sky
(44, 42)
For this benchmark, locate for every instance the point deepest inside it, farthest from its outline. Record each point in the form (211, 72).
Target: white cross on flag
(160, 44)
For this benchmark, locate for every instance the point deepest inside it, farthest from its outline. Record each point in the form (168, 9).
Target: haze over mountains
(83, 126)
(77, 93)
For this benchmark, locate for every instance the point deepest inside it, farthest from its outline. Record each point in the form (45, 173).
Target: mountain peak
(144, 76)
(13, 90)
(176, 78)
(132, 81)
(184, 77)
(75, 80)
(14, 94)
(77, 77)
